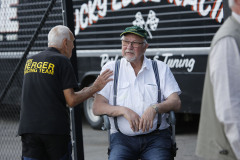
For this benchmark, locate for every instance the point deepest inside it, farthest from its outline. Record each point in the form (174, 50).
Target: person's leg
(123, 147)
(157, 146)
(32, 147)
(58, 147)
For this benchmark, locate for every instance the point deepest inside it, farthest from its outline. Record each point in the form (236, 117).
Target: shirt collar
(236, 16)
(146, 63)
(53, 49)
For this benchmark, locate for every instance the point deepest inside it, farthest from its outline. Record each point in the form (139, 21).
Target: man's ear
(64, 42)
(146, 45)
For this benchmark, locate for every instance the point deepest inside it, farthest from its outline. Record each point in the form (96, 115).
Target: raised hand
(102, 80)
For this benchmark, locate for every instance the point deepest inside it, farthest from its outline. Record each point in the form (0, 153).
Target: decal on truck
(173, 62)
(90, 12)
(152, 22)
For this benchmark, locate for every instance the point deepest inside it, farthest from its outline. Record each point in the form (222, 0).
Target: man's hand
(133, 118)
(147, 118)
(102, 80)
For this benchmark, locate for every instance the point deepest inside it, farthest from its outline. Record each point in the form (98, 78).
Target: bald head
(57, 34)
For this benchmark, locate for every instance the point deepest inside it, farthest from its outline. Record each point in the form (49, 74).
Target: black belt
(151, 133)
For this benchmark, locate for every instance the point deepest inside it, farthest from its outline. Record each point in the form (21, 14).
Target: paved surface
(96, 143)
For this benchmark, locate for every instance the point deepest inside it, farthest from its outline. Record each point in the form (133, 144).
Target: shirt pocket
(150, 93)
(123, 93)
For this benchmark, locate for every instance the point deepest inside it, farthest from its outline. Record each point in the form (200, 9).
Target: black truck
(180, 33)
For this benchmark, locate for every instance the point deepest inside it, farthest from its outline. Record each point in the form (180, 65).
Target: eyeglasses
(134, 44)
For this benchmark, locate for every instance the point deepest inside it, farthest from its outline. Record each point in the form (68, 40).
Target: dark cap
(135, 30)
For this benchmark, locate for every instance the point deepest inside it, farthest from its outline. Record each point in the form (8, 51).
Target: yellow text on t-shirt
(40, 67)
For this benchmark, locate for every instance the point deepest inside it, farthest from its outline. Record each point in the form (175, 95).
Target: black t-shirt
(43, 108)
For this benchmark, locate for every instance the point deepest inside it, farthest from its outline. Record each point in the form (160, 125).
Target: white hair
(57, 34)
(144, 40)
(231, 3)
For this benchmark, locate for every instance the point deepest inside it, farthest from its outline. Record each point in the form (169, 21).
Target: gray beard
(129, 59)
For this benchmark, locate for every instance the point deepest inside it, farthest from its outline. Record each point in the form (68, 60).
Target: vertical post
(226, 10)
(67, 8)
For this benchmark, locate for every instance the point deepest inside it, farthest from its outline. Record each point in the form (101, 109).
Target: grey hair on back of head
(57, 34)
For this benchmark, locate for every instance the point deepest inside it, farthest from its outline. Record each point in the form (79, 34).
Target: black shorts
(46, 147)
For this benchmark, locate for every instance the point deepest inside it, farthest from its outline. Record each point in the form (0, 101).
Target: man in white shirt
(137, 106)
(219, 130)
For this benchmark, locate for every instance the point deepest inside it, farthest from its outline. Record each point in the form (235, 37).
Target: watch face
(155, 107)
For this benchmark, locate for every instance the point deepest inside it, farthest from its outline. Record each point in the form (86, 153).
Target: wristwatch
(155, 107)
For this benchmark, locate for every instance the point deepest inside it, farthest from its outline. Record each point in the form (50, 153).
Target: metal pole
(67, 8)
(226, 10)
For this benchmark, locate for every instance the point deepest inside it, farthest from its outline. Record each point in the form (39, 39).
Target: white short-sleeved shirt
(139, 92)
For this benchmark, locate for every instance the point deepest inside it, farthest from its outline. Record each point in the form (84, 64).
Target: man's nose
(130, 44)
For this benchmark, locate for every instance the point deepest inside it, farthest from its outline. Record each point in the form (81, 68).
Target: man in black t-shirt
(48, 85)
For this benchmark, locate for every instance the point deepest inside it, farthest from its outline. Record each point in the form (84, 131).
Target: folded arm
(101, 106)
(172, 103)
